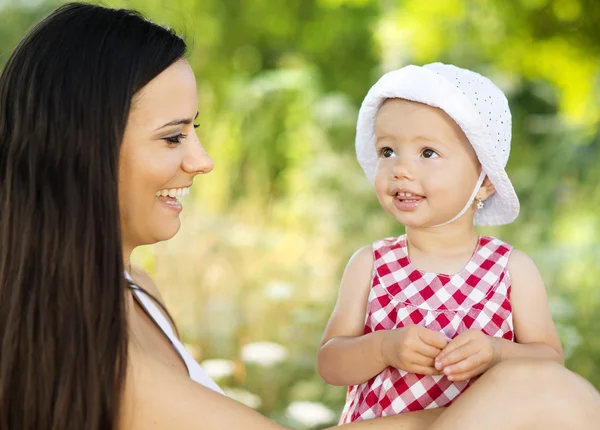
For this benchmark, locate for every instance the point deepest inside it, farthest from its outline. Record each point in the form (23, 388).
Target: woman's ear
(486, 189)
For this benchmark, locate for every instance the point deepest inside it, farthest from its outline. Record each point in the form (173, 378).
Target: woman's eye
(386, 152)
(174, 140)
(429, 153)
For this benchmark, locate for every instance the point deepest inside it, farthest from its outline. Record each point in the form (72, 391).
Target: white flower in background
(279, 291)
(335, 110)
(246, 397)
(217, 368)
(310, 414)
(571, 339)
(560, 308)
(264, 353)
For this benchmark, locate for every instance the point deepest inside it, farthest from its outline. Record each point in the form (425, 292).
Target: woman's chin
(166, 230)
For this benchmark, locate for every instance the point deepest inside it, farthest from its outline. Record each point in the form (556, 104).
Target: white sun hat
(478, 107)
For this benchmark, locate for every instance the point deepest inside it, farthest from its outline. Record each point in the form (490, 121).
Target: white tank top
(194, 369)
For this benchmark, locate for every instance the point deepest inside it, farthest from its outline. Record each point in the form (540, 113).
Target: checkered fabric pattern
(478, 297)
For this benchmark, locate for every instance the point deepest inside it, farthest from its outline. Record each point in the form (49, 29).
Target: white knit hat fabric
(478, 107)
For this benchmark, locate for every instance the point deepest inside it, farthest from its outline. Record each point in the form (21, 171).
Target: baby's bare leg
(525, 395)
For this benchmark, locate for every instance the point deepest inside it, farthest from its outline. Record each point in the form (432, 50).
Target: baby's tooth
(179, 192)
(158, 194)
(164, 193)
(186, 191)
(172, 192)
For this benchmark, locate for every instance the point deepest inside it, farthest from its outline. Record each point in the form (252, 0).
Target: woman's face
(160, 156)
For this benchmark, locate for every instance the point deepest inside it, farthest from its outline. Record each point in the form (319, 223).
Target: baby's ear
(486, 189)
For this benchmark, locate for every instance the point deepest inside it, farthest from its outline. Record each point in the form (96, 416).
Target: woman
(97, 142)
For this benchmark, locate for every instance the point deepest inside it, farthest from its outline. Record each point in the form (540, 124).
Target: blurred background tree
(253, 275)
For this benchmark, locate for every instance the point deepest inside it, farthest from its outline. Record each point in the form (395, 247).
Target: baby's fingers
(422, 360)
(458, 377)
(433, 338)
(455, 354)
(423, 370)
(468, 364)
(428, 351)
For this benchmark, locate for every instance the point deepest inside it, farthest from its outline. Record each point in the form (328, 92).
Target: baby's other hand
(469, 354)
(413, 349)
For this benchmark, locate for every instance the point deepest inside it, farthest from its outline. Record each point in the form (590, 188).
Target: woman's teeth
(173, 192)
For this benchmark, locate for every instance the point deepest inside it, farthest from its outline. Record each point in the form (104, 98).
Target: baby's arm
(472, 352)
(534, 329)
(347, 356)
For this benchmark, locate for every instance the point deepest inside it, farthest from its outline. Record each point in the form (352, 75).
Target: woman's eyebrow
(185, 121)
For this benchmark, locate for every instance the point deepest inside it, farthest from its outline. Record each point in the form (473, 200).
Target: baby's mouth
(408, 197)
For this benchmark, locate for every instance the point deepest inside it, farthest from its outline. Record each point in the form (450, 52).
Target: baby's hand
(413, 349)
(468, 355)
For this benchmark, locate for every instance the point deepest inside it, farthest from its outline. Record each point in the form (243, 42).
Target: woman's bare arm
(158, 398)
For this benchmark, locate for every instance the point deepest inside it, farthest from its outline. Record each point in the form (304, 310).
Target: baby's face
(426, 168)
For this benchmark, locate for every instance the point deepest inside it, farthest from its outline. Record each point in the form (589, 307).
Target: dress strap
(158, 316)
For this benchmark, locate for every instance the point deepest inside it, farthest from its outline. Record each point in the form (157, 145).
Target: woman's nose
(197, 160)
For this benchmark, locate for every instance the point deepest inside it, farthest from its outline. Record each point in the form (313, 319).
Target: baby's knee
(529, 371)
(544, 377)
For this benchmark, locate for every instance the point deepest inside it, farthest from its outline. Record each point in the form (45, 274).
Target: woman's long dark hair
(65, 96)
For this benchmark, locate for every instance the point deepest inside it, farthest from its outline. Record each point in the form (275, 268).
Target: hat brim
(421, 85)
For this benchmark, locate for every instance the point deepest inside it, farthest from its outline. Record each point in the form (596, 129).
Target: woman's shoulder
(158, 397)
(143, 279)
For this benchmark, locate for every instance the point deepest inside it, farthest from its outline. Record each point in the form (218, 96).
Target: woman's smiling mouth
(173, 192)
(169, 196)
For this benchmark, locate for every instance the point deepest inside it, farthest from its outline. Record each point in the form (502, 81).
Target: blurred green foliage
(267, 234)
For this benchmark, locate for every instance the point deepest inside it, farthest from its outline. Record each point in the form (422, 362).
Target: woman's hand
(469, 354)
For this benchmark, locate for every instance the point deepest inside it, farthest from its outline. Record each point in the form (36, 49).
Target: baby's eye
(429, 153)
(386, 152)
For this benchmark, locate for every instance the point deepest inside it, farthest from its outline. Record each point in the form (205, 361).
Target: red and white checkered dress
(477, 297)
